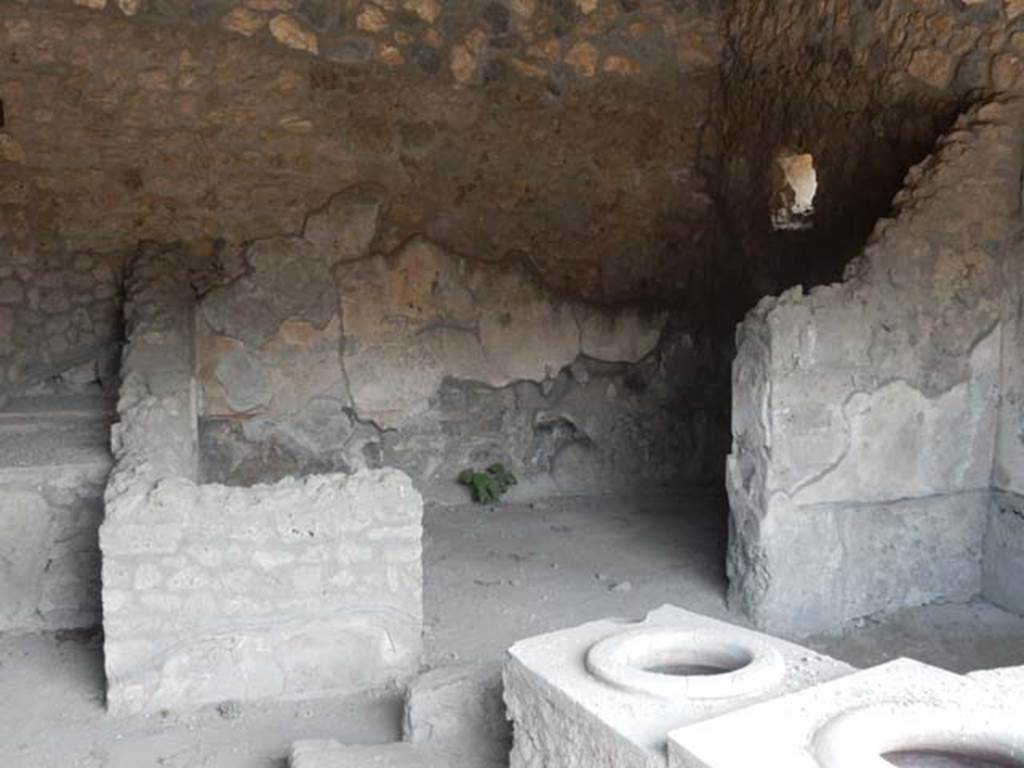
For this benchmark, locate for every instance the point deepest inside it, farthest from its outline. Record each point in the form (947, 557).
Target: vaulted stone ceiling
(571, 136)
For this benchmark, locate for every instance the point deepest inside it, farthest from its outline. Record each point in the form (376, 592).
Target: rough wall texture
(323, 355)
(1003, 566)
(51, 486)
(304, 588)
(865, 413)
(209, 593)
(1008, 473)
(577, 142)
(866, 87)
(1003, 571)
(557, 151)
(462, 709)
(59, 316)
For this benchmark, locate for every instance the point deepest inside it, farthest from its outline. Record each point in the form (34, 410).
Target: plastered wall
(865, 413)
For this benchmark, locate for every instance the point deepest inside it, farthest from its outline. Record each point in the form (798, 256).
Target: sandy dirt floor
(493, 575)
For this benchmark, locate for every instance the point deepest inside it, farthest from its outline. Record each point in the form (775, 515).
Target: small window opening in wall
(2, 120)
(797, 184)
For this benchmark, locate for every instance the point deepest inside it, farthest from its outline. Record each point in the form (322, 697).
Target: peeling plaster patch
(422, 314)
(246, 384)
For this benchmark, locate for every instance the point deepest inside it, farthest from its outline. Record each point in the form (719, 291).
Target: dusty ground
(494, 575)
(499, 574)
(52, 717)
(960, 638)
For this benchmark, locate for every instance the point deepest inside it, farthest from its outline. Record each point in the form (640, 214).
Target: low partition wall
(309, 587)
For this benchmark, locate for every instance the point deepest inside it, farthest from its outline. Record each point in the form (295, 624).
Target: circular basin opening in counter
(671, 663)
(922, 735)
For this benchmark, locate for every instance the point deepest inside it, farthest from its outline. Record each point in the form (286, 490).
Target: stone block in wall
(304, 588)
(49, 555)
(818, 566)
(1003, 566)
(461, 709)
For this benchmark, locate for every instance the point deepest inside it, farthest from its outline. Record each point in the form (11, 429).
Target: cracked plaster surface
(868, 414)
(384, 330)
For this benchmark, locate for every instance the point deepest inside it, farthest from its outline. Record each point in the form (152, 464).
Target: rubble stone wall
(307, 587)
(558, 151)
(59, 318)
(864, 86)
(325, 355)
(865, 412)
(573, 136)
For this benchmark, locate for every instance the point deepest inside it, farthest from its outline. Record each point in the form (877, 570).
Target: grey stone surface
(246, 385)
(49, 555)
(625, 336)
(58, 313)
(865, 413)
(566, 716)
(331, 754)
(433, 362)
(861, 558)
(287, 277)
(156, 435)
(54, 461)
(658, 428)
(460, 709)
(422, 314)
(854, 720)
(1005, 680)
(1008, 474)
(454, 716)
(1003, 571)
(211, 593)
(307, 587)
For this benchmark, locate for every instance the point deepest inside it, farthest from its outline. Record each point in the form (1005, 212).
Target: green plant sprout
(487, 486)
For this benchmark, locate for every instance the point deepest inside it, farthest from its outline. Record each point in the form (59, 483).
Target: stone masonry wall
(324, 355)
(571, 136)
(59, 317)
(560, 149)
(865, 413)
(307, 587)
(866, 87)
(304, 588)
